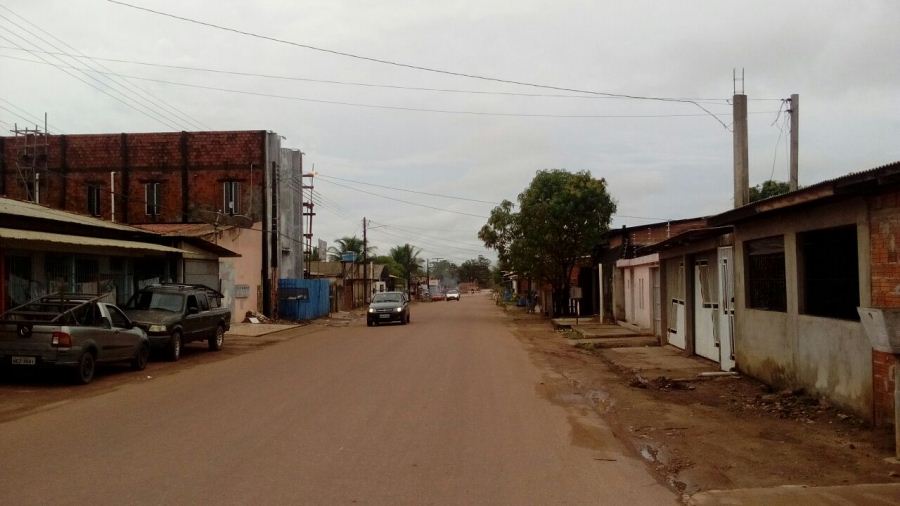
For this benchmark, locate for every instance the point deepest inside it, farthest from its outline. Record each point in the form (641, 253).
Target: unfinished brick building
(240, 183)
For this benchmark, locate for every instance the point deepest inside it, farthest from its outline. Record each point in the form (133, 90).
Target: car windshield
(453, 291)
(154, 300)
(386, 297)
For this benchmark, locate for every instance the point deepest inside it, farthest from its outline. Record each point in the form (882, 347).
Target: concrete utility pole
(794, 111)
(741, 154)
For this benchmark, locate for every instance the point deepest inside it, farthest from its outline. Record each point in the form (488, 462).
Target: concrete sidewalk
(875, 494)
(257, 329)
(655, 361)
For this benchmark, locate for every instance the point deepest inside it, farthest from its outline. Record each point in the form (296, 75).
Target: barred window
(152, 198)
(765, 274)
(231, 190)
(93, 200)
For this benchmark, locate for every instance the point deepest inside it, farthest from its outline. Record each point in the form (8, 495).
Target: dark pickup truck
(176, 314)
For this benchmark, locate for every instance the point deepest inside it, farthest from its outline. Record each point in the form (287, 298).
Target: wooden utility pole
(794, 111)
(365, 253)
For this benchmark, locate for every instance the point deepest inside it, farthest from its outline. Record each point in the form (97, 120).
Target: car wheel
(173, 352)
(368, 323)
(215, 342)
(139, 362)
(408, 318)
(84, 371)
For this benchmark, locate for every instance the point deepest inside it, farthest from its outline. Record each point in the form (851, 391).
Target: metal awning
(79, 240)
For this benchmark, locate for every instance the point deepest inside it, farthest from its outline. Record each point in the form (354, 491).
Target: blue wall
(303, 299)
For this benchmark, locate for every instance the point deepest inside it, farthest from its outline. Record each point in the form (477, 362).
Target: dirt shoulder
(722, 433)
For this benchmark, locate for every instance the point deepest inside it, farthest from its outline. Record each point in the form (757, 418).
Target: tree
(561, 217)
(768, 189)
(347, 244)
(392, 266)
(477, 270)
(407, 257)
(446, 271)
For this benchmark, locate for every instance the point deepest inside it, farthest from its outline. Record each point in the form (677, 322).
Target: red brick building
(223, 179)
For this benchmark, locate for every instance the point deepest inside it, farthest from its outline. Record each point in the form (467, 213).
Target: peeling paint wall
(243, 270)
(826, 356)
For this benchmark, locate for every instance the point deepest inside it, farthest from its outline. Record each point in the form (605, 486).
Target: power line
(124, 84)
(416, 67)
(26, 115)
(711, 101)
(405, 201)
(410, 191)
(399, 108)
(101, 90)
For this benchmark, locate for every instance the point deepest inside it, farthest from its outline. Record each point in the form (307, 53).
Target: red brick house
(242, 181)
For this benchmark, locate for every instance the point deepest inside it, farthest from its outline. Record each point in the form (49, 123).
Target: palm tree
(407, 257)
(347, 244)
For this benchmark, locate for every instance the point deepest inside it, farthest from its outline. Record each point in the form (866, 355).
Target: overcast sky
(843, 58)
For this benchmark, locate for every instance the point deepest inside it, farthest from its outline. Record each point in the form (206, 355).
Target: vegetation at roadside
(561, 218)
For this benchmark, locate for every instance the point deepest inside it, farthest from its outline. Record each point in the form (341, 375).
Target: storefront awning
(79, 240)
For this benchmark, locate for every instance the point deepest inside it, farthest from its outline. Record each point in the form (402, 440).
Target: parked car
(176, 314)
(388, 307)
(70, 330)
(453, 294)
(438, 295)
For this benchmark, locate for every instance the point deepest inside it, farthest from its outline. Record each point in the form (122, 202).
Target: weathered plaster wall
(826, 356)
(243, 270)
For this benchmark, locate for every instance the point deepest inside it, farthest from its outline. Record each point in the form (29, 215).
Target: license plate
(384, 316)
(23, 361)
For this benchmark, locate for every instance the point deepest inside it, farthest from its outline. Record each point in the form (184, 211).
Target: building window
(232, 197)
(152, 198)
(93, 200)
(766, 288)
(829, 273)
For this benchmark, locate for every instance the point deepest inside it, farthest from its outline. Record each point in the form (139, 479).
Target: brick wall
(191, 167)
(884, 227)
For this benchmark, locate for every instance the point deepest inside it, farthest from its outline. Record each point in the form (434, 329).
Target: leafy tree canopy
(561, 217)
(407, 258)
(768, 189)
(476, 270)
(346, 244)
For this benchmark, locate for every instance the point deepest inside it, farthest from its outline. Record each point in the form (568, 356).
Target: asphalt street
(449, 409)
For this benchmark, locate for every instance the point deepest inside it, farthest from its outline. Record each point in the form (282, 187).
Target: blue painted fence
(303, 299)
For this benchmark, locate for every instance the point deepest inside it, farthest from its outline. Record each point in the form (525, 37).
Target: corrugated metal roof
(78, 240)
(31, 210)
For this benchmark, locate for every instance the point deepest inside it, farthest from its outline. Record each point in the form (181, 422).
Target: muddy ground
(723, 433)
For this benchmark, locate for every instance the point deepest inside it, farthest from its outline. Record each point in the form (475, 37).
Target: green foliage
(407, 258)
(392, 266)
(768, 189)
(444, 270)
(477, 270)
(561, 217)
(346, 244)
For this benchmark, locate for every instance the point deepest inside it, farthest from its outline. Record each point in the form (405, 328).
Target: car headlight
(156, 328)
(371, 309)
(399, 309)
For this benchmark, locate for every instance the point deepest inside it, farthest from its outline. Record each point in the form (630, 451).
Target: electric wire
(30, 117)
(125, 101)
(405, 201)
(710, 101)
(440, 195)
(123, 83)
(416, 67)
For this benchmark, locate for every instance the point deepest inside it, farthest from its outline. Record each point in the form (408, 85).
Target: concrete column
(795, 138)
(741, 154)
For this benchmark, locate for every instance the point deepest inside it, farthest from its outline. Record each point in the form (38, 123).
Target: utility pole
(365, 253)
(741, 154)
(794, 111)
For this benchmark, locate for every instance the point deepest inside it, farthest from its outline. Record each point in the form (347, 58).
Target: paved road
(446, 410)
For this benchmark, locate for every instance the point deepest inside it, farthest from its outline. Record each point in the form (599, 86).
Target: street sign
(348, 256)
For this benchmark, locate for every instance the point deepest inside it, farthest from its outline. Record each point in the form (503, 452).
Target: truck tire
(218, 339)
(84, 371)
(139, 362)
(173, 350)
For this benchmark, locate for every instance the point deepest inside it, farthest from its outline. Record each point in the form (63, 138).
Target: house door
(656, 303)
(676, 319)
(706, 308)
(726, 307)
